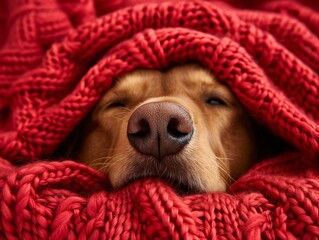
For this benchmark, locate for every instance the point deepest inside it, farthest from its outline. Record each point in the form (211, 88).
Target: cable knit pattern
(57, 58)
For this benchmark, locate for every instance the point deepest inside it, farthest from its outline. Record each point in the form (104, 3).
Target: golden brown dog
(182, 126)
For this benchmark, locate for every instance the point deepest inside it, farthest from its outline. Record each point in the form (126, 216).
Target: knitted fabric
(57, 58)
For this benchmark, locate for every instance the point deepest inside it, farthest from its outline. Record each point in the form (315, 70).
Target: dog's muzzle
(160, 129)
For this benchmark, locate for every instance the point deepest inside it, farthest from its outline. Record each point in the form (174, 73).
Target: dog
(180, 125)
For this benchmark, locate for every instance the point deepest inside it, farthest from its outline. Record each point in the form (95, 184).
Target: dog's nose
(159, 129)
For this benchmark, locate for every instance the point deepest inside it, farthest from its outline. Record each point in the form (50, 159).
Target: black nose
(159, 129)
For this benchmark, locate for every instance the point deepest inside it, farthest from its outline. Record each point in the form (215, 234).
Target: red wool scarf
(57, 58)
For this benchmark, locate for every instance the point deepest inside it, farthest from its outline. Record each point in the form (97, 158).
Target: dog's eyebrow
(215, 87)
(111, 94)
(205, 80)
(116, 93)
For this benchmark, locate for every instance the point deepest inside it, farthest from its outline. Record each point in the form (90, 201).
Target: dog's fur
(221, 149)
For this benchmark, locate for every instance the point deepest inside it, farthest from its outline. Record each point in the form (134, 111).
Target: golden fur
(221, 149)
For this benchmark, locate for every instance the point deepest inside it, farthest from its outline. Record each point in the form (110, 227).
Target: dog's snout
(159, 129)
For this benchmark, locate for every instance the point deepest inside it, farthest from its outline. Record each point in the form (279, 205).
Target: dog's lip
(180, 187)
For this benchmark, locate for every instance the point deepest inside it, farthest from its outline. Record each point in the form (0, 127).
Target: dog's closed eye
(116, 104)
(215, 101)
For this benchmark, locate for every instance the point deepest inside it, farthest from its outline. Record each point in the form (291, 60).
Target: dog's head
(182, 126)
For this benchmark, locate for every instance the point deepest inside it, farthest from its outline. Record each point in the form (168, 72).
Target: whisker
(117, 118)
(226, 173)
(224, 170)
(127, 109)
(107, 164)
(225, 158)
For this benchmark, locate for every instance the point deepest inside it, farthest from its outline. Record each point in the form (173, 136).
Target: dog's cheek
(226, 136)
(98, 142)
(217, 134)
(239, 145)
(91, 149)
(205, 167)
(120, 154)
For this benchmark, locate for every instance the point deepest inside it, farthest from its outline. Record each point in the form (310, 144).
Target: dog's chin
(171, 170)
(181, 188)
(178, 171)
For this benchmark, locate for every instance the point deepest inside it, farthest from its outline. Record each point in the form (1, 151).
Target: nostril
(142, 129)
(173, 128)
(179, 128)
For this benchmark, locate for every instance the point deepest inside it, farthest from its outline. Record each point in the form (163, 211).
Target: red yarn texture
(58, 57)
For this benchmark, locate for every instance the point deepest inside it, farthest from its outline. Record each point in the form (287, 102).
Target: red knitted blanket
(58, 57)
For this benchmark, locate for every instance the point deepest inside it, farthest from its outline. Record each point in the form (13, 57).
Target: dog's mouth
(181, 186)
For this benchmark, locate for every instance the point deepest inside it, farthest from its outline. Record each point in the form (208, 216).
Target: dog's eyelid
(216, 101)
(113, 103)
(219, 98)
(116, 103)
